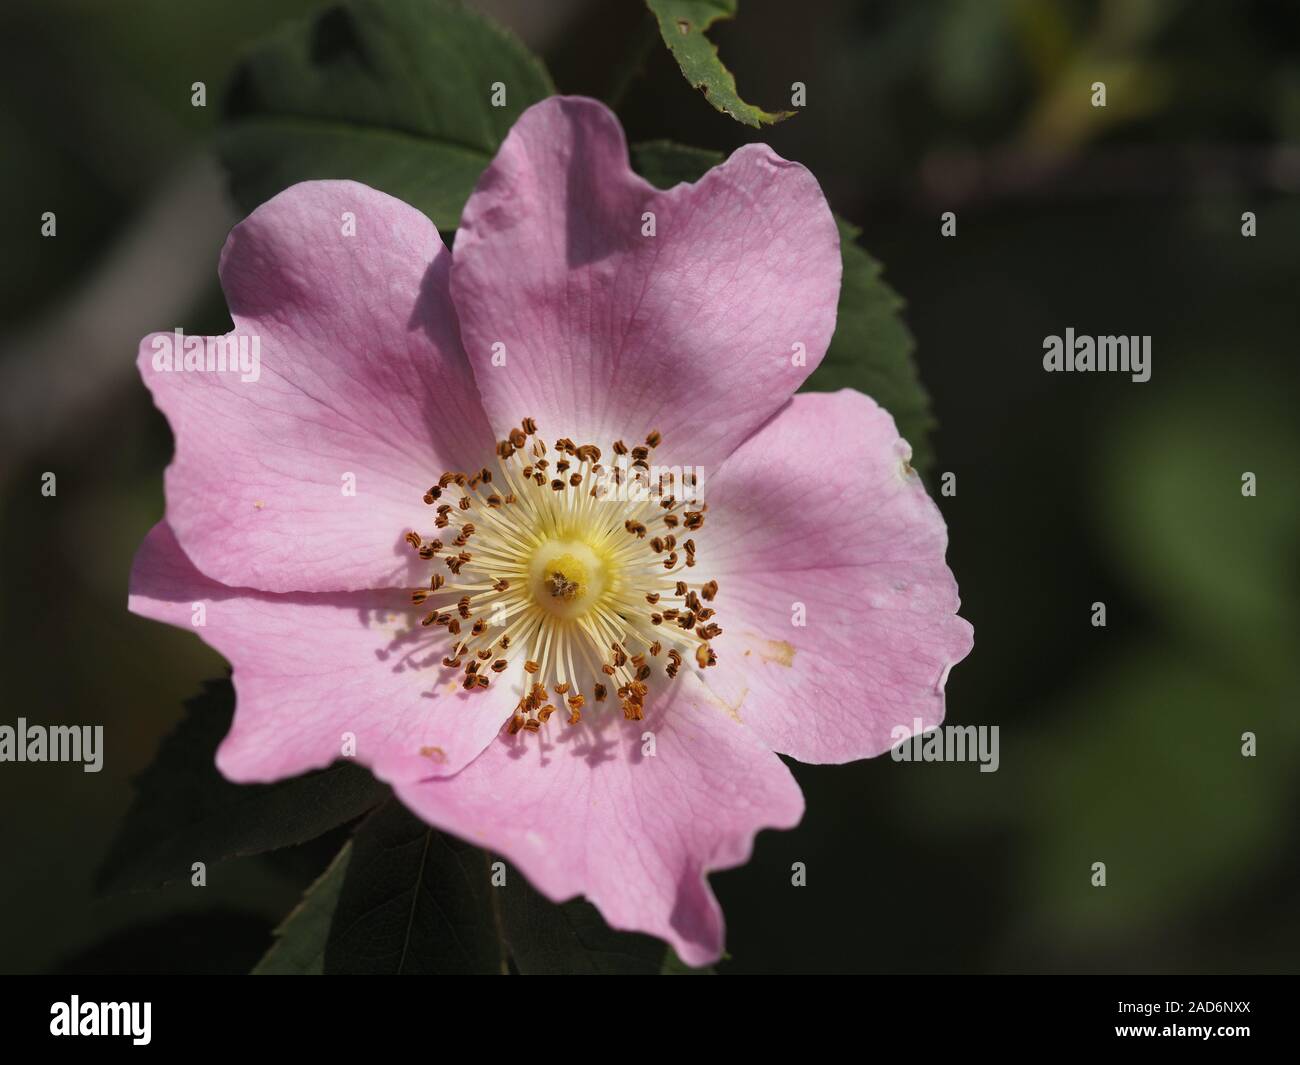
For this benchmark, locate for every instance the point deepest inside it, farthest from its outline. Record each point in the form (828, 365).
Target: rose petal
(361, 373)
(583, 810)
(312, 669)
(610, 334)
(819, 515)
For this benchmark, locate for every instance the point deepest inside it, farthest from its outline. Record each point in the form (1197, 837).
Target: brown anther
(499, 665)
(600, 691)
(529, 426)
(654, 439)
(531, 667)
(709, 590)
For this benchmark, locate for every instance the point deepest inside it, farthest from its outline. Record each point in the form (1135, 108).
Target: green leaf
(682, 25)
(299, 947)
(393, 93)
(872, 349)
(571, 938)
(416, 901)
(185, 811)
(413, 902)
(665, 164)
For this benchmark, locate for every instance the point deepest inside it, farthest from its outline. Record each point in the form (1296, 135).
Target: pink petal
(581, 810)
(610, 334)
(361, 373)
(309, 668)
(821, 509)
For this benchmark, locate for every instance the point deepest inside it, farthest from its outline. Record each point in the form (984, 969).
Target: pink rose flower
(408, 538)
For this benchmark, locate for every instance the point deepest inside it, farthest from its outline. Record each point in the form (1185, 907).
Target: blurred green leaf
(1147, 775)
(872, 349)
(185, 811)
(299, 947)
(393, 93)
(683, 24)
(1168, 495)
(416, 901)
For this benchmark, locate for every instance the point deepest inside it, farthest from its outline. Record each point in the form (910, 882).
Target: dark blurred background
(1119, 744)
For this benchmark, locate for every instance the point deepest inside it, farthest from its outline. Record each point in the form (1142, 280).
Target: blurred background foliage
(1119, 744)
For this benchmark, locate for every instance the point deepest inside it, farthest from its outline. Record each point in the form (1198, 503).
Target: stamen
(565, 576)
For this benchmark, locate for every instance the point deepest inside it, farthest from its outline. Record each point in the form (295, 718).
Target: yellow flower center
(582, 568)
